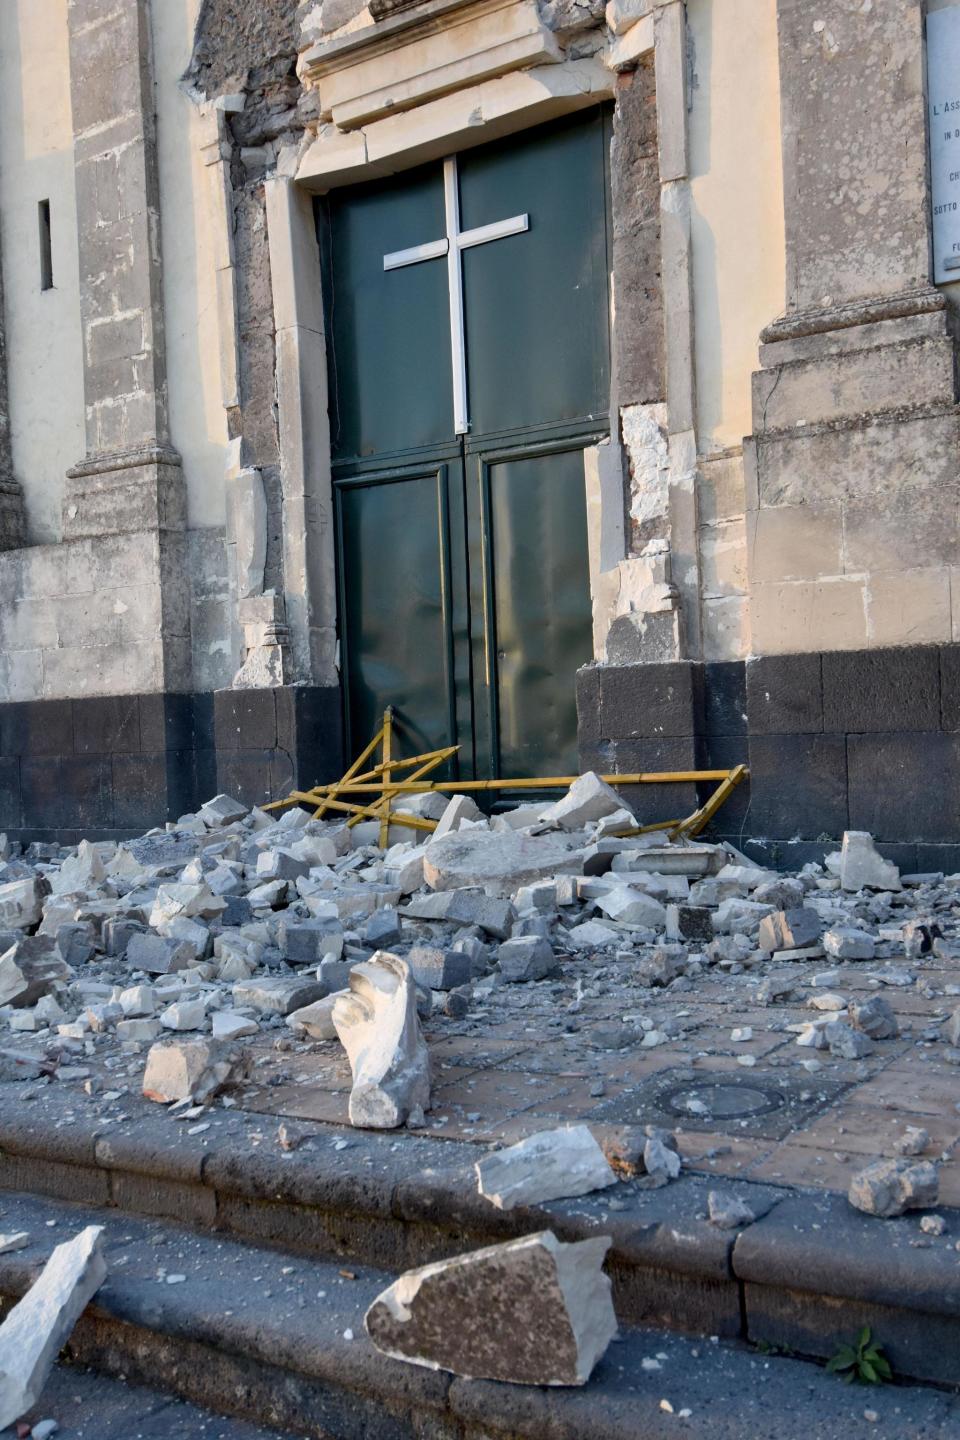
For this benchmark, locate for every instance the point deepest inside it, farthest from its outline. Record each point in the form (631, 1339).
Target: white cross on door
(452, 245)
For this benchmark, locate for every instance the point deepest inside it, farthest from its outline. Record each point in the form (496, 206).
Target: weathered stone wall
(852, 481)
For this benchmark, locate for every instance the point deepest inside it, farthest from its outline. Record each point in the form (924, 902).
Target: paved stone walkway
(528, 1057)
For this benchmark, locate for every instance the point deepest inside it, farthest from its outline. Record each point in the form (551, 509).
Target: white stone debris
(15, 1240)
(378, 1026)
(551, 1165)
(862, 867)
(892, 1187)
(728, 1212)
(185, 1069)
(589, 799)
(531, 1312)
(38, 1327)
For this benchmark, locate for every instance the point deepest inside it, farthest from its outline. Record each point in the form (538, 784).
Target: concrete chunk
(439, 969)
(789, 930)
(158, 955)
(29, 970)
(551, 1165)
(531, 1312)
(37, 1328)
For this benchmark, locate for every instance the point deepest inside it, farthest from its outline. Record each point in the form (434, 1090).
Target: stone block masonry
(835, 740)
(110, 767)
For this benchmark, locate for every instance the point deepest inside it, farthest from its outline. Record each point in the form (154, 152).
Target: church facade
(580, 381)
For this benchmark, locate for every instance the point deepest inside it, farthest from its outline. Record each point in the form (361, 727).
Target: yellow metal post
(387, 774)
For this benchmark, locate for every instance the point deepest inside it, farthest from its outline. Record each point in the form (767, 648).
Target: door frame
(505, 104)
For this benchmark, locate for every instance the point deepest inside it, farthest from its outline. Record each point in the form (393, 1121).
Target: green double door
(467, 321)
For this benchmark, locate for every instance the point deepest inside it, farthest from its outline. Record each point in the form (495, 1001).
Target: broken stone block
(593, 935)
(496, 862)
(661, 1160)
(847, 1043)
(221, 810)
(83, 871)
(378, 1027)
(280, 865)
(30, 969)
(14, 1065)
(953, 1028)
(21, 903)
(316, 1019)
(382, 929)
(277, 995)
(117, 934)
(529, 957)
(403, 866)
(457, 809)
(306, 942)
(913, 1141)
(875, 1017)
(784, 893)
(662, 966)
(38, 1327)
(728, 1212)
(530, 1312)
(184, 1015)
(158, 955)
(862, 867)
(439, 969)
(892, 1187)
(632, 907)
(846, 942)
(789, 930)
(74, 943)
(588, 799)
(739, 917)
(551, 1165)
(188, 901)
(473, 907)
(140, 1032)
(230, 1025)
(695, 922)
(184, 1069)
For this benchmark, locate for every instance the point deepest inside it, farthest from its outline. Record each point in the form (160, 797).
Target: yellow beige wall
(42, 327)
(197, 417)
(738, 276)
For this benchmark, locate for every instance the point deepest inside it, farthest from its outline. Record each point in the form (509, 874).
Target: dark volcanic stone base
(858, 739)
(115, 766)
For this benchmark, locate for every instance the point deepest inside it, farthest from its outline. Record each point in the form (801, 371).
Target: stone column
(12, 523)
(852, 476)
(130, 480)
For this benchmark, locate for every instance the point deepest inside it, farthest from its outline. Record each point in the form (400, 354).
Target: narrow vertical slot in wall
(46, 246)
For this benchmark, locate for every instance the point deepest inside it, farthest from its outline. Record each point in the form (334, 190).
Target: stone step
(807, 1274)
(278, 1340)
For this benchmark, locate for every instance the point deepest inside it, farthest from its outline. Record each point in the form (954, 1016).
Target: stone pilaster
(130, 482)
(130, 479)
(12, 524)
(852, 480)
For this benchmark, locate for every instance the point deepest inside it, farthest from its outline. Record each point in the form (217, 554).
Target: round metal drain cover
(721, 1100)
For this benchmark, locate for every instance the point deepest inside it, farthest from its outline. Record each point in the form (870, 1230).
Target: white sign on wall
(943, 100)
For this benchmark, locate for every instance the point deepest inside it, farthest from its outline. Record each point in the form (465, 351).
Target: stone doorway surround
(420, 82)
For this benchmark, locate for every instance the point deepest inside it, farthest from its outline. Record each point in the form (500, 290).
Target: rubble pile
(180, 956)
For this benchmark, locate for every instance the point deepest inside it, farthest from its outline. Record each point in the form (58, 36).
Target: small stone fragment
(551, 1165)
(845, 1042)
(589, 799)
(530, 1312)
(727, 1211)
(913, 1141)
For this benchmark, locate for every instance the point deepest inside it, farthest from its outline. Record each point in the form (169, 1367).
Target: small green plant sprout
(862, 1362)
